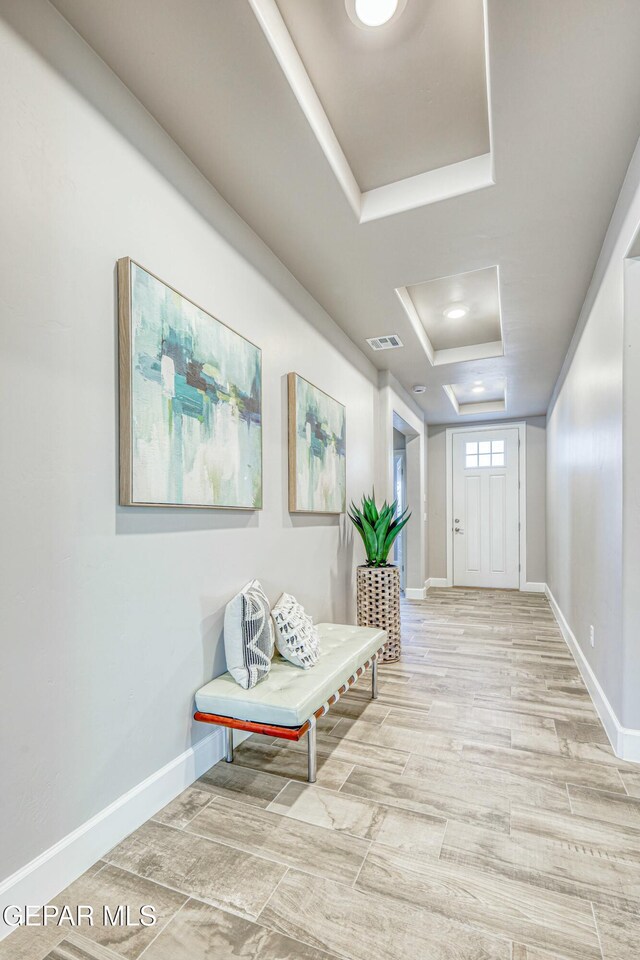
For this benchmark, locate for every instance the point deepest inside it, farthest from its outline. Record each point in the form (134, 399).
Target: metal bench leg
(311, 746)
(374, 679)
(228, 744)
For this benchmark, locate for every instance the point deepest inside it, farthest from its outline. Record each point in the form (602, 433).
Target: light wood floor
(474, 812)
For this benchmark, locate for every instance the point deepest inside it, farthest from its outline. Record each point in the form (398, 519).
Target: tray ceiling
(456, 318)
(386, 94)
(402, 99)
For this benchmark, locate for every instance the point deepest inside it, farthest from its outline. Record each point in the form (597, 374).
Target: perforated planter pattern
(378, 602)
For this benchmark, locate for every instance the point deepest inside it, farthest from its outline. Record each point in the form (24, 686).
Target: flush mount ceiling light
(374, 13)
(419, 388)
(456, 312)
(477, 389)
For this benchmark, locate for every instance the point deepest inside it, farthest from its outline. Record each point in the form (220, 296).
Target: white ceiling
(404, 99)
(565, 91)
(476, 292)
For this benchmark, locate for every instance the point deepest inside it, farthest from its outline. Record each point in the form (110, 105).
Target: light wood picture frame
(190, 401)
(317, 449)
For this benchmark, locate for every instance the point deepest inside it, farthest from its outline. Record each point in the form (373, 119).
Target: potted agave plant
(378, 584)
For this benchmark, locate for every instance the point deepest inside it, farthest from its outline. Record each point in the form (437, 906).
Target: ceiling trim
(474, 351)
(452, 180)
(484, 406)
(418, 327)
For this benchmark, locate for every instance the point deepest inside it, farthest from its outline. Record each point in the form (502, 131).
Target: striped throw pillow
(248, 636)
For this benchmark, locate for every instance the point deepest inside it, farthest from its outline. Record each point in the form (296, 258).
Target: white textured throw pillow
(248, 636)
(297, 639)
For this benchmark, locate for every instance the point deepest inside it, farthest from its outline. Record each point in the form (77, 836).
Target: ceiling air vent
(390, 342)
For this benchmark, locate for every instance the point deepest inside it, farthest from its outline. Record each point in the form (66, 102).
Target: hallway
(476, 810)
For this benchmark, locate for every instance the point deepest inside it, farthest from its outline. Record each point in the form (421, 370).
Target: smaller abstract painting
(317, 450)
(190, 402)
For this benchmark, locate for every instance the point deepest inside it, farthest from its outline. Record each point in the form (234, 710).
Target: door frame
(522, 491)
(401, 540)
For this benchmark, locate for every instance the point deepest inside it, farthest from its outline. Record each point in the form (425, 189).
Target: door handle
(458, 529)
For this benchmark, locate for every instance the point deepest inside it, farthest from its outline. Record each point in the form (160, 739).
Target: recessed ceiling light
(456, 312)
(373, 13)
(419, 388)
(477, 390)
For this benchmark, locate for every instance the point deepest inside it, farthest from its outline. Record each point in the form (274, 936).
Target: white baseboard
(52, 871)
(529, 587)
(415, 593)
(624, 740)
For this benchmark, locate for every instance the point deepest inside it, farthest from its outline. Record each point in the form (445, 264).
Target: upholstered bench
(289, 701)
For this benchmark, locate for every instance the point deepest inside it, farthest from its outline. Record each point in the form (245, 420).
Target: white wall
(589, 429)
(536, 494)
(112, 616)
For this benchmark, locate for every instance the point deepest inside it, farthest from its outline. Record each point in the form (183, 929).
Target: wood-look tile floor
(475, 811)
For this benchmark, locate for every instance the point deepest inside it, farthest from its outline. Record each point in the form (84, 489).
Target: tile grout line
(268, 900)
(162, 929)
(595, 921)
(624, 786)
(444, 833)
(277, 795)
(357, 877)
(571, 810)
(164, 823)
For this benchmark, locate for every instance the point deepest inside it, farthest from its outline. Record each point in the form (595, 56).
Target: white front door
(486, 538)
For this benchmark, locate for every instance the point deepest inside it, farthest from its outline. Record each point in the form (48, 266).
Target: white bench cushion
(288, 695)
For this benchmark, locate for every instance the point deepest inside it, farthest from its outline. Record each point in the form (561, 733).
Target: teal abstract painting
(190, 402)
(317, 450)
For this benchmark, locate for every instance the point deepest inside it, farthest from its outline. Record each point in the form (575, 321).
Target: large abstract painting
(317, 450)
(190, 402)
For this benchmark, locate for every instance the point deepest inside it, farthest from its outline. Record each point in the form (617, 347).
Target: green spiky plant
(378, 528)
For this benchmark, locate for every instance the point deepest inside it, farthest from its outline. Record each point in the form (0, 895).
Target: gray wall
(584, 491)
(112, 617)
(536, 495)
(593, 456)
(631, 497)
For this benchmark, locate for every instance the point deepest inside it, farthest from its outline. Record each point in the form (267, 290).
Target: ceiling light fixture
(477, 390)
(419, 388)
(374, 13)
(456, 312)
